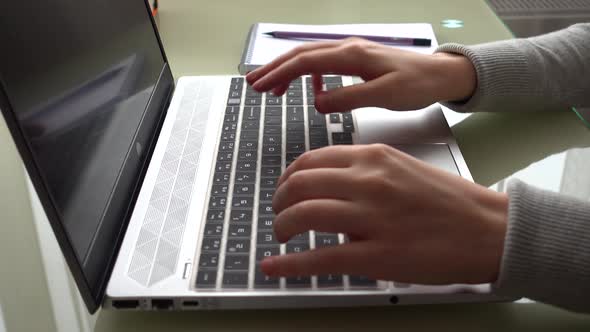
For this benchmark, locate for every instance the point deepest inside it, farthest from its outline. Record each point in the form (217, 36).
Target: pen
(401, 41)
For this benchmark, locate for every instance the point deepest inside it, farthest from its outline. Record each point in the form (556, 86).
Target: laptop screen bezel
(93, 278)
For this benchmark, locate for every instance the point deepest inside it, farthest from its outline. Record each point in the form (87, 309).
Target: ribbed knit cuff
(503, 76)
(547, 248)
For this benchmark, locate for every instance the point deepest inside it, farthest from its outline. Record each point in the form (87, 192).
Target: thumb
(376, 92)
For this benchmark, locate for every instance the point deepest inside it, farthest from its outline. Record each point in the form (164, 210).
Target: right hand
(394, 78)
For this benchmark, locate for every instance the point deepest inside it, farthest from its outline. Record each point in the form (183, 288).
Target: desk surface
(206, 37)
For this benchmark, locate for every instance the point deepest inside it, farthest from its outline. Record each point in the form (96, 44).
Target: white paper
(267, 48)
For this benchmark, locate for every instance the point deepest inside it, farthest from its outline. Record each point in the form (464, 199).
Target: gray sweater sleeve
(545, 72)
(547, 248)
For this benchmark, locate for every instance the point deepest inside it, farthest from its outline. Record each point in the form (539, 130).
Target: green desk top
(207, 38)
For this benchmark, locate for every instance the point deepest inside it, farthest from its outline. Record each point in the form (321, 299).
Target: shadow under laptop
(497, 317)
(496, 145)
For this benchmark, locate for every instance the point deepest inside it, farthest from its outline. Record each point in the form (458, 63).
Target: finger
(337, 156)
(319, 61)
(309, 184)
(280, 90)
(348, 258)
(254, 75)
(318, 83)
(377, 92)
(322, 215)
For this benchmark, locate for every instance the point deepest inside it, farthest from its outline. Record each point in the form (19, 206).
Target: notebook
(261, 49)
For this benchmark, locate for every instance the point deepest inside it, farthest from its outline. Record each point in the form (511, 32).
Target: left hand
(407, 221)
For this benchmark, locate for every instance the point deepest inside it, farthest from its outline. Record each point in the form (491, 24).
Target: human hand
(407, 221)
(394, 78)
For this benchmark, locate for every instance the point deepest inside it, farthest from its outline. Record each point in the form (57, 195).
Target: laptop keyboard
(238, 233)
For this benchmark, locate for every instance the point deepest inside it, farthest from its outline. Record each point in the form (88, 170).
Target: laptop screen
(78, 76)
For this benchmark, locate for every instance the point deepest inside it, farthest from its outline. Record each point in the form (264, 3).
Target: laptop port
(393, 300)
(162, 304)
(125, 304)
(191, 304)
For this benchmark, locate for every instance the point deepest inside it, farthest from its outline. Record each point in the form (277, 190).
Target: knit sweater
(547, 247)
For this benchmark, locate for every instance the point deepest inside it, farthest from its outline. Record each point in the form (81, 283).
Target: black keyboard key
(325, 240)
(299, 281)
(335, 118)
(252, 101)
(223, 166)
(238, 246)
(271, 139)
(245, 177)
(295, 137)
(228, 136)
(265, 223)
(232, 110)
(225, 156)
(247, 155)
(298, 147)
(236, 262)
(243, 202)
(318, 144)
(250, 125)
(300, 238)
(294, 93)
(235, 279)
(271, 160)
(209, 260)
(318, 132)
(229, 118)
(238, 231)
(348, 127)
(217, 202)
(271, 149)
(215, 216)
(274, 101)
(269, 182)
(244, 189)
(295, 248)
(249, 135)
(211, 244)
(361, 281)
(330, 280)
(266, 195)
(234, 94)
(273, 111)
(263, 252)
(333, 86)
(246, 166)
(265, 208)
(273, 121)
(226, 146)
(206, 279)
(347, 117)
(248, 145)
(261, 280)
(272, 130)
(237, 80)
(251, 114)
(341, 138)
(229, 127)
(240, 216)
(219, 190)
(295, 126)
(266, 238)
(294, 118)
(213, 230)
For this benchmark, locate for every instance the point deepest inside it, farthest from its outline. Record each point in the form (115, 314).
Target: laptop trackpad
(437, 155)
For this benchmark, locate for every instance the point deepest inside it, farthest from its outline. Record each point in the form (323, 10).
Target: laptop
(159, 193)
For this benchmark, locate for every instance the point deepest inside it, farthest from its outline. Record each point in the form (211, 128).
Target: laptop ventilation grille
(158, 245)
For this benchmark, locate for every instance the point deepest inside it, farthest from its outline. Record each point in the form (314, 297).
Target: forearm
(545, 72)
(547, 248)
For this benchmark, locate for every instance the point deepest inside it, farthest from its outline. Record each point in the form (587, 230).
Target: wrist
(455, 75)
(493, 210)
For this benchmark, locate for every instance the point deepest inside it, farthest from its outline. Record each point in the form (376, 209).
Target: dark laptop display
(76, 80)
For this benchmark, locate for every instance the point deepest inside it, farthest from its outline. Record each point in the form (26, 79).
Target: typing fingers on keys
(322, 215)
(348, 258)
